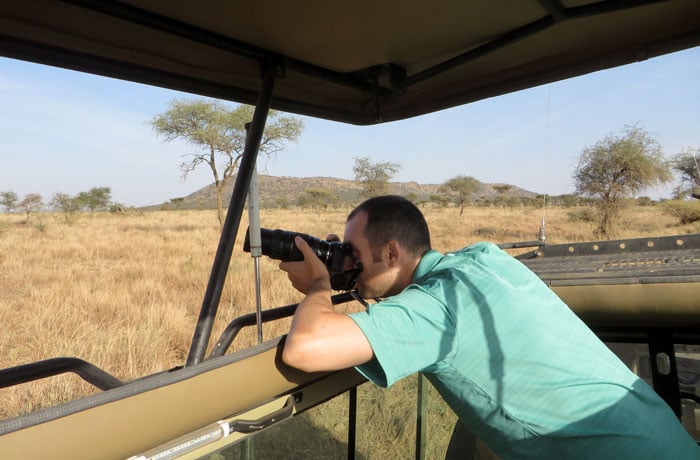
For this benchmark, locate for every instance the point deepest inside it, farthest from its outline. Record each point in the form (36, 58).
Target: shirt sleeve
(408, 333)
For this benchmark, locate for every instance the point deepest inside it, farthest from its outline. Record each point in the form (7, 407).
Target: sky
(65, 131)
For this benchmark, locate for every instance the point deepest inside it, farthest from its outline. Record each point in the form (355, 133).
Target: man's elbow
(297, 354)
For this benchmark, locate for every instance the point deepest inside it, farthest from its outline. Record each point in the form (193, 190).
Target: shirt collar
(426, 264)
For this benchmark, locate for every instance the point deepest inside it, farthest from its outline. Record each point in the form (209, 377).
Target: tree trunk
(220, 203)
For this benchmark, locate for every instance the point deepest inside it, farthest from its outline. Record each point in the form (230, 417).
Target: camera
(279, 245)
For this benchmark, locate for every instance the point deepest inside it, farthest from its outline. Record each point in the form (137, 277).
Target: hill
(279, 191)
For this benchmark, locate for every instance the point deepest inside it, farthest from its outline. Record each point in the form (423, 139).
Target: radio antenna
(542, 235)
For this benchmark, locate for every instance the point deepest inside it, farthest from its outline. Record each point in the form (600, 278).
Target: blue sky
(67, 131)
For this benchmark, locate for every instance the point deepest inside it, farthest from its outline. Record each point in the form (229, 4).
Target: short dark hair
(394, 217)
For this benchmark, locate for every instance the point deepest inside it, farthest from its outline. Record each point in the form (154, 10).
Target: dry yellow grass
(124, 291)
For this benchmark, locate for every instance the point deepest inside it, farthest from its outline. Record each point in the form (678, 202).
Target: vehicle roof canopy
(361, 62)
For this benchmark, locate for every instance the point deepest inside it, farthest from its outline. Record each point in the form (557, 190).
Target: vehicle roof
(361, 62)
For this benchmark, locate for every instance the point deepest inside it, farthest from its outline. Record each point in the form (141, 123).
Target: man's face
(376, 277)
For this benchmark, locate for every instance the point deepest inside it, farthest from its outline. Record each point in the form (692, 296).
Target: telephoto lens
(279, 245)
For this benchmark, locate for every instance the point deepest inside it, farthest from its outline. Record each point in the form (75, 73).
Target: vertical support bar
(664, 373)
(210, 303)
(255, 242)
(421, 412)
(352, 423)
(258, 300)
(247, 452)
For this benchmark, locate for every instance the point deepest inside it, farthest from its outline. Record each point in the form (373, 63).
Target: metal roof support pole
(352, 422)
(210, 303)
(664, 370)
(421, 416)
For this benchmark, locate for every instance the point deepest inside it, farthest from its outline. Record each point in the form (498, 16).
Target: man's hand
(308, 274)
(320, 338)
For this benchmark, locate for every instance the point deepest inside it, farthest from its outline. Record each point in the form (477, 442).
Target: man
(516, 365)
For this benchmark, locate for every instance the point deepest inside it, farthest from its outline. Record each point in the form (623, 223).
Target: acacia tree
(501, 191)
(616, 168)
(32, 202)
(318, 198)
(95, 199)
(63, 202)
(8, 199)
(440, 199)
(687, 164)
(461, 188)
(374, 177)
(218, 132)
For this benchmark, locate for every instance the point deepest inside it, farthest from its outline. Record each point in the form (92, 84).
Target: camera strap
(356, 295)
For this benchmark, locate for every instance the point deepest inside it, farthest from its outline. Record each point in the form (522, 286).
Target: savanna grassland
(123, 291)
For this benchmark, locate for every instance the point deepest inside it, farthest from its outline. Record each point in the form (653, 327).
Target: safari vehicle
(362, 62)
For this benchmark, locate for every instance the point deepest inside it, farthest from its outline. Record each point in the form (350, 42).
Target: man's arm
(320, 338)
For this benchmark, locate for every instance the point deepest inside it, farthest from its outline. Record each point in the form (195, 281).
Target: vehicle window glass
(636, 356)
(688, 365)
(320, 432)
(438, 422)
(386, 420)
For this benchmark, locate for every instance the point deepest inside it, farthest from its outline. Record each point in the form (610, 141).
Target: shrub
(484, 232)
(581, 215)
(687, 212)
(645, 201)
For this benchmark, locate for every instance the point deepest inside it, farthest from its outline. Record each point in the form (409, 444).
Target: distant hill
(276, 191)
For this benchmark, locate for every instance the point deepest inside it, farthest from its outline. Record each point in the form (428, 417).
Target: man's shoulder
(479, 247)
(481, 251)
(477, 261)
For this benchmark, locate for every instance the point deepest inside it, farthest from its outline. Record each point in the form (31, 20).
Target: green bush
(582, 215)
(687, 212)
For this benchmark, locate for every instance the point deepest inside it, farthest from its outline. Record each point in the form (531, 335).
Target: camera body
(279, 245)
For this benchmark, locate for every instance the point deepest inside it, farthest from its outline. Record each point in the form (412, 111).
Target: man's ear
(394, 251)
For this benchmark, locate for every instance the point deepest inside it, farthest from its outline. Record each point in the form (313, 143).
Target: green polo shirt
(517, 366)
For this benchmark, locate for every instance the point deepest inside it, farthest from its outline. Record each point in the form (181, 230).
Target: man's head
(389, 235)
